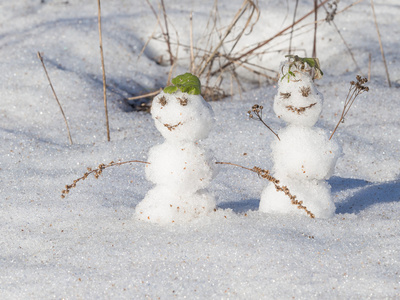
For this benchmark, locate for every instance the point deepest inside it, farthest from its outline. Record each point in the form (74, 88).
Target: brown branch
(380, 43)
(96, 173)
(266, 175)
(356, 88)
(167, 39)
(145, 95)
(55, 96)
(104, 70)
(269, 40)
(257, 110)
(191, 44)
(291, 31)
(314, 52)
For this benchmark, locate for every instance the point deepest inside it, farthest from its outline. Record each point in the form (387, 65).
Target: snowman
(180, 168)
(304, 157)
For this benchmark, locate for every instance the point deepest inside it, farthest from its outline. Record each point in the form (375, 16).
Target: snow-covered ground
(89, 245)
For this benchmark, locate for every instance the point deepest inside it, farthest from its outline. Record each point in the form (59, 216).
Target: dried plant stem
(55, 96)
(257, 111)
(97, 172)
(145, 95)
(261, 44)
(292, 29)
(347, 47)
(369, 67)
(380, 43)
(356, 88)
(191, 44)
(349, 6)
(266, 174)
(167, 38)
(227, 32)
(103, 69)
(314, 52)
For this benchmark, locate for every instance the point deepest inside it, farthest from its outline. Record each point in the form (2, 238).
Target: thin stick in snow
(314, 52)
(55, 96)
(104, 71)
(380, 43)
(191, 44)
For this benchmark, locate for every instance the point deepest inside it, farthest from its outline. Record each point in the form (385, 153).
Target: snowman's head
(182, 117)
(297, 102)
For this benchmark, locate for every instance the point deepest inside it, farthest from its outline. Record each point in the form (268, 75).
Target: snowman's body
(304, 157)
(180, 168)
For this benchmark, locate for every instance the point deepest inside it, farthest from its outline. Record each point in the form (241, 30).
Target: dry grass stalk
(356, 88)
(314, 52)
(145, 95)
(165, 32)
(292, 29)
(247, 4)
(330, 15)
(55, 96)
(266, 175)
(96, 173)
(380, 43)
(261, 44)
(369, 67)
(191, 44)
(167, 38)
(256, 110)
(103, 69)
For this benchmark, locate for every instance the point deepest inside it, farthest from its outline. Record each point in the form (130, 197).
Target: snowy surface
(89, 244)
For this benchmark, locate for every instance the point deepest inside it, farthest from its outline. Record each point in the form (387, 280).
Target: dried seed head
(305, 91)
(183, 101)
(285, 95)
(162, 100)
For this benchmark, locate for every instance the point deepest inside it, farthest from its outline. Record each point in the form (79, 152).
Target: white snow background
(89, 245)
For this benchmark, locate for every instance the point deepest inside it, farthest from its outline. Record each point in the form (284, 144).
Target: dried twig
(257, 111)
(261, 44)
(380, 43)
(103, 69)
(330, 15)
(245, 5)
(191, 44)
(266, 175)
(167, 38)
(314, 52)
(96, 173)
(55, 96)
(145, 95)
(291, 31)
(356, 88)
(369, 67)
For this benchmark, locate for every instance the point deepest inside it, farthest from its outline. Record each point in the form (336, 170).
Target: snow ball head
(298, 101)
(182, 116)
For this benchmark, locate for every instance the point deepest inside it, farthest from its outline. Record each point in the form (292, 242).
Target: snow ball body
(304, 153)
(184, 167)
(182, 117)
(315, 194)
(162, 206)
